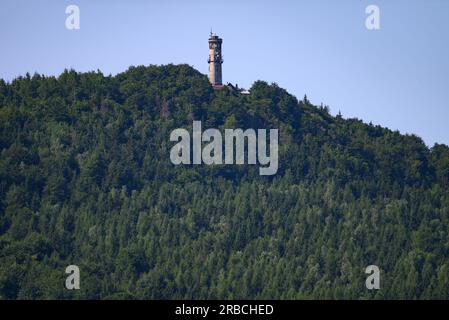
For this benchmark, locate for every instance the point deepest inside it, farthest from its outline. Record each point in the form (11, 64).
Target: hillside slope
(86, 179)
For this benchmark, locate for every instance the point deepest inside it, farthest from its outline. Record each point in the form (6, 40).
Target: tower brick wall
(215, 60)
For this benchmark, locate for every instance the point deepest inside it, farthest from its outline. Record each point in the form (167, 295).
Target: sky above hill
(397, 76)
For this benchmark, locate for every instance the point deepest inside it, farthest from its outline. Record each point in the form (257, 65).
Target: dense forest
(86, 179)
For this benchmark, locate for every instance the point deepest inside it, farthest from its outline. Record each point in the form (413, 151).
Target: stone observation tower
(215, 60)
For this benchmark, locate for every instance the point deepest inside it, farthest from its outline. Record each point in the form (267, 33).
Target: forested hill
(86, 179)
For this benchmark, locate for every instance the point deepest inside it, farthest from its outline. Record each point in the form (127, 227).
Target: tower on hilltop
(215, 60)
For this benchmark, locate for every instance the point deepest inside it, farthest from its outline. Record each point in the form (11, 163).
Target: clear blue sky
(397, 76)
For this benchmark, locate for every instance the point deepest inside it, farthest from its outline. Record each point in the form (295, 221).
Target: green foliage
(86, 179)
